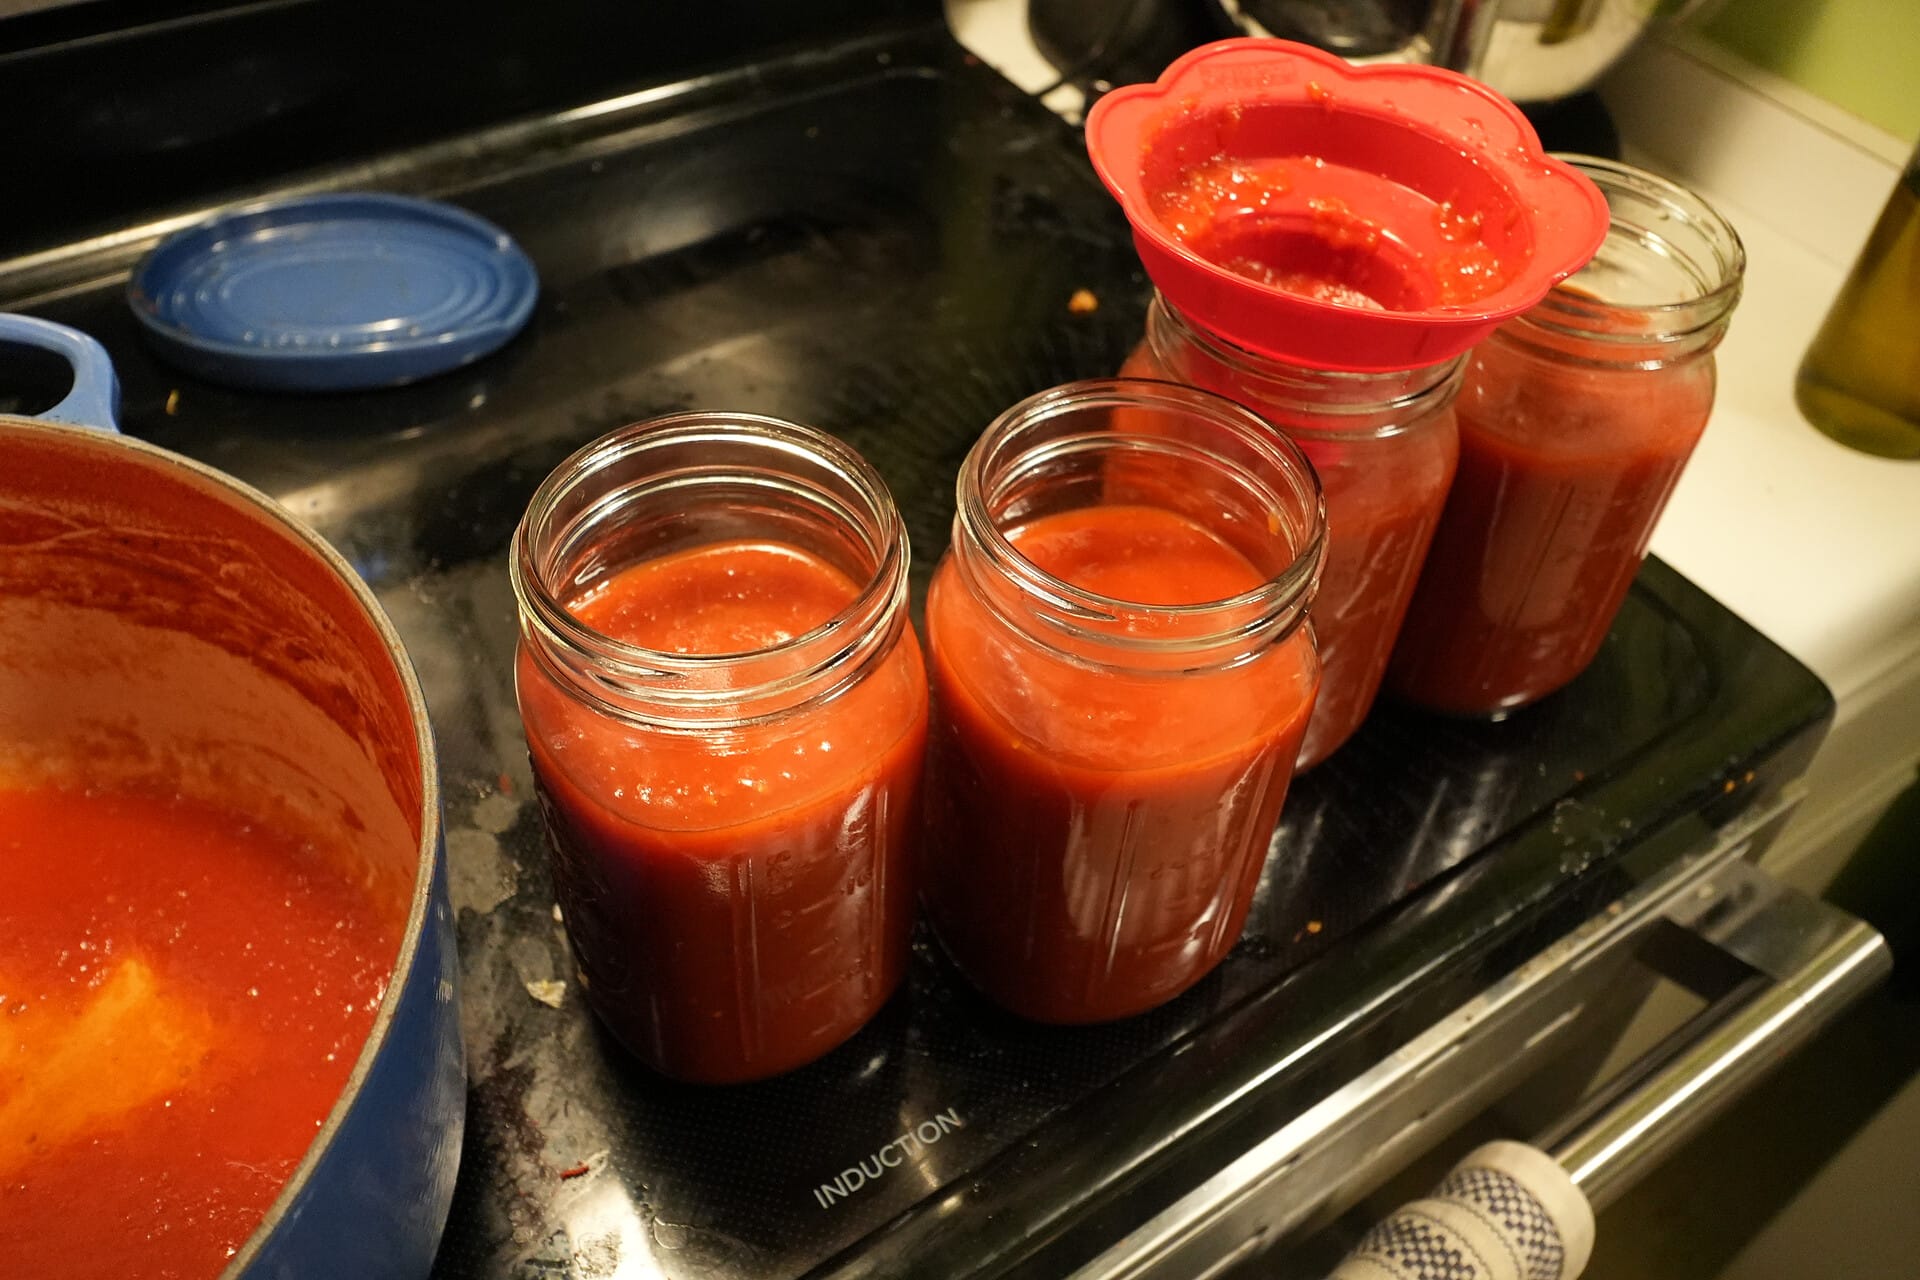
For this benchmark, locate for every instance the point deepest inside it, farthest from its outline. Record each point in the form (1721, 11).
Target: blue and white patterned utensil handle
(1506, 1212)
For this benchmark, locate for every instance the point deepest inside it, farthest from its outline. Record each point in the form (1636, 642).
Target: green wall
(1862, 55)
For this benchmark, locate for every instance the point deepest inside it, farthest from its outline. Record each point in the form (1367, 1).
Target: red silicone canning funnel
(1423, 190)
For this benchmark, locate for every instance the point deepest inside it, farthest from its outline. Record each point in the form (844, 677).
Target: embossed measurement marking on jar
(874, 1167)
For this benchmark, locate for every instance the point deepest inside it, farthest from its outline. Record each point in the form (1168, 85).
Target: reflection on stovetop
(889, 252)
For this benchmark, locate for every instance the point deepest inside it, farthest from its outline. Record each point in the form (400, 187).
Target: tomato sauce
(1382, 508)
(1095, 833)
(182, 996)
(739, 900)
(1294, 223)
(1564, 469)
(1384, 447)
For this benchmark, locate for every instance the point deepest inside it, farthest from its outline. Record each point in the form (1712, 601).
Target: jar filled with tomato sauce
(1383, 445)
(1122, 674)
(725, 707)
(1576, 419)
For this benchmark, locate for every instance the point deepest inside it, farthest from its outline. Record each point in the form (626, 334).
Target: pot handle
(95, 399)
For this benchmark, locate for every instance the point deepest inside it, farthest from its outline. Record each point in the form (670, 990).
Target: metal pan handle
(1528, 1212)
(94, 400)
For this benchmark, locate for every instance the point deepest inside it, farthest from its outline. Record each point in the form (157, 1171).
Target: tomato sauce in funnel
(1348, 218)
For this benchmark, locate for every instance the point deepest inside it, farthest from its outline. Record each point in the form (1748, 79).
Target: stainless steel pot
(1529, 50)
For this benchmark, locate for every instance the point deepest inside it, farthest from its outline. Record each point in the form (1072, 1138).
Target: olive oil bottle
(1860, 380)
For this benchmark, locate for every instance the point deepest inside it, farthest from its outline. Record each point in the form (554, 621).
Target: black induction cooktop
(881, 238)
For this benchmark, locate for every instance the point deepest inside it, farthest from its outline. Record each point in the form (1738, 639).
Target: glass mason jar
(1121, 679)
(1575, 422)
(1384, 445)
(726, 712)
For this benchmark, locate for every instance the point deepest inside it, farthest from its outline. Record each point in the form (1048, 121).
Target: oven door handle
(1808, 961)
(1786, 964)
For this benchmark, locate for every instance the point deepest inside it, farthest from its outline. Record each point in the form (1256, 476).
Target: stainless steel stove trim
(1817, 959)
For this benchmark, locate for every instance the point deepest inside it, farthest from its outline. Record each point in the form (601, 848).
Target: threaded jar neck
(1661, 288)
(688, 480)
(1142, 442)
(1326, 401)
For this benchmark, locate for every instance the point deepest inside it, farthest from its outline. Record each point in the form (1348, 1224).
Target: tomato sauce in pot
(182, 995)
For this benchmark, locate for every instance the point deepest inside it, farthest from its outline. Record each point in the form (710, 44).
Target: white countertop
(1816, 544)
(1812, 543)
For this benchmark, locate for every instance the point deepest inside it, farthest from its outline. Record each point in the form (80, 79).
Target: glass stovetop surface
(885, 243)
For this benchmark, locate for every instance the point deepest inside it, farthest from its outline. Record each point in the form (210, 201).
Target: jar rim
(1330, 405)
(1246, 360)
(1283, 597)
(688, 679)
(1716, 261)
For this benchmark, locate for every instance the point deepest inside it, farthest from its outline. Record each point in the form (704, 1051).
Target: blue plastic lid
(333, 292)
